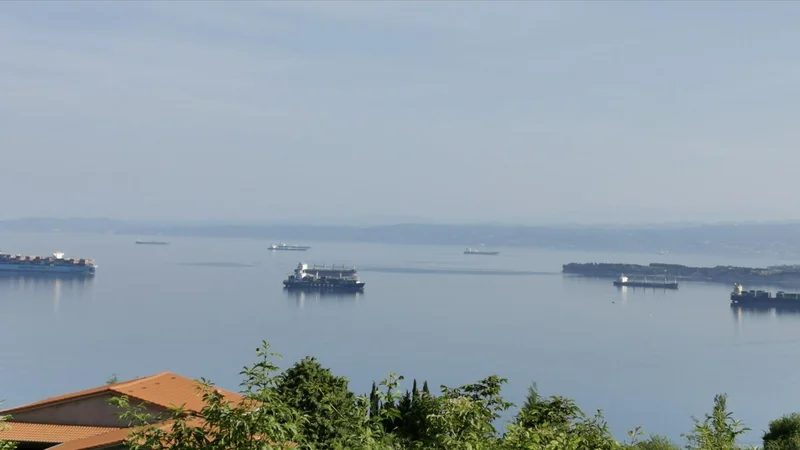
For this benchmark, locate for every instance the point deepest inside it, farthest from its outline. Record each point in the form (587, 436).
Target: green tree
(404, 409)
(374, 401)
(416, 422)
(555, 411)
(556, 423)
(655, 442)
(783, 433)
(463, 417)
(330, 410)
(5, 445)
(718, 431)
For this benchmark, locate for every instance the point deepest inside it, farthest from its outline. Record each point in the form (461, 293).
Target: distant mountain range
(776, 240)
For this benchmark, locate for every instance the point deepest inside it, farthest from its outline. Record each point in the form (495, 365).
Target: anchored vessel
(624, 281)
(324, 278)
(282, 246)
(51, 264)
(763, 299)
(152, 242)
(472, 251)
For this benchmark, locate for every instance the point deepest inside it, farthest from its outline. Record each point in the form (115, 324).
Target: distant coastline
(788, 275)
(774, 241)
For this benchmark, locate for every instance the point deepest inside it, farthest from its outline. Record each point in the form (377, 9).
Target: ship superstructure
(472, 251)
(623, 281)
(282, 246)
(53, 264)
(326, 278)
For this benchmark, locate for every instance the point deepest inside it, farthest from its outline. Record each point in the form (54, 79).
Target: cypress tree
(389, 422)
(416, 422)
(374, 402)
(405, 402)
(404, 408)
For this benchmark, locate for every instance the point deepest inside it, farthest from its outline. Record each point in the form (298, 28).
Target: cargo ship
(324, 278)
(763, 299)
(623, 281)
(152, 243)
(472, 251)
(282, 246)
(46, 264)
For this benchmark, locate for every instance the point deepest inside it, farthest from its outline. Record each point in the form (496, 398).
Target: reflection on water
(740, 314)
(302, 298)
(627, 291)
(742, 311)
(52, 285)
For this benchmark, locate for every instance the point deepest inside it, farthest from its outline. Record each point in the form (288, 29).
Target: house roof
(115, 437)
(165, 389)
(96, 442)
(47, 433)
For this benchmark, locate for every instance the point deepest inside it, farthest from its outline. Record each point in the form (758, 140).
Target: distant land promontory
(772, 275)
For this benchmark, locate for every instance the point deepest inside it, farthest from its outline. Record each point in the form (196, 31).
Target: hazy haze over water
(649, 358)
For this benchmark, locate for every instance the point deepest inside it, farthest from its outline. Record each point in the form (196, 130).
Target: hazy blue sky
(519, 111)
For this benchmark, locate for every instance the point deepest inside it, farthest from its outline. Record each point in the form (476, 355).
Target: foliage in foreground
(719, 430)
(3, 444)
(308, 407)
(783, 433)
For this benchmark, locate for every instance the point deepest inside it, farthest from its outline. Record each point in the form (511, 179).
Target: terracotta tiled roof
(114, 437)
(96, 442)
(52, 434)
(164, 389)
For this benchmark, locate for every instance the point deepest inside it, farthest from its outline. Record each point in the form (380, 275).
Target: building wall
(92, 411)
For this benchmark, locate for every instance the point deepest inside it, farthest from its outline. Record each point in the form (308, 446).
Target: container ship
(282, 246)
(624, 281)
(763, 299)
(324, 278)
(46, 264)
(472, 251)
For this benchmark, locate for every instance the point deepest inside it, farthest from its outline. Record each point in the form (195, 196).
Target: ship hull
(325, 286)
(646, 284)
(289, 249)
(152, 243)
(764, 302)
(481, 253)
(36, 268)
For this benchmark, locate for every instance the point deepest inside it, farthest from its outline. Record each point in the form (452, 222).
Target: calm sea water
(200, 307)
